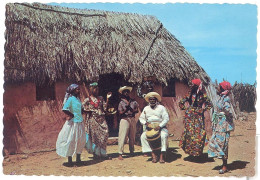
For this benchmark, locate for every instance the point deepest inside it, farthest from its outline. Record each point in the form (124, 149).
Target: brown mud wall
(33, 126)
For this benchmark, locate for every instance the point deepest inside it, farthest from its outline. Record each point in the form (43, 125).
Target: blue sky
(221, 37)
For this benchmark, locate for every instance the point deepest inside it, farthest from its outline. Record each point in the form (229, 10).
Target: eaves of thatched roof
(53, 43)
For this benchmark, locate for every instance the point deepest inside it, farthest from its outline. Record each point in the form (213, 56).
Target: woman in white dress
(71, 138)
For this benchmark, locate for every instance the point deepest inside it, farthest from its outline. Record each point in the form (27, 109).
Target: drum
(154, 139)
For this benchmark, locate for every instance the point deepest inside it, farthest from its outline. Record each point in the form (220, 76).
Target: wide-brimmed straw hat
(153, 94)
(121, 89)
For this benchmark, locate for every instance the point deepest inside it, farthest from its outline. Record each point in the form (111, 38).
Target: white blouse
(157, 115)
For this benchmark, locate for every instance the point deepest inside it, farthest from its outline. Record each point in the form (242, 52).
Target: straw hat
(153, 94)
(121, 89)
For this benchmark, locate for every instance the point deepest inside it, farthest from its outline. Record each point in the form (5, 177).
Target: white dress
(72, 138)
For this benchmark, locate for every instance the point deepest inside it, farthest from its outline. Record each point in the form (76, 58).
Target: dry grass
(53, 43)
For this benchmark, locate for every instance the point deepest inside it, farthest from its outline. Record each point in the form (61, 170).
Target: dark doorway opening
(111, 83)
(45, 92)
(169, 91)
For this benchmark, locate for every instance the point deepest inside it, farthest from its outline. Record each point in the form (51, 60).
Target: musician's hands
(157, 128)
(109, 94)
(130, 109)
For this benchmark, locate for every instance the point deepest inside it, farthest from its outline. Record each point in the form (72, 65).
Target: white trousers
(127, 128)
(146, 147)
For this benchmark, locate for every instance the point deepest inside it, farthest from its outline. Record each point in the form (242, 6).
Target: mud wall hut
(49, 47)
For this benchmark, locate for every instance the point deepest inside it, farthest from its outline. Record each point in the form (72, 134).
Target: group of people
(92, 133)
(194, 136)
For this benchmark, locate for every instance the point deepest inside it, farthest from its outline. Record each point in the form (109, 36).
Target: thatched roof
(56, 43)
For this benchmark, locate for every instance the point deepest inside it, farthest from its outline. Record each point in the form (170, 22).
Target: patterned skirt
(218, 145)
(96, 135)
(193, 138)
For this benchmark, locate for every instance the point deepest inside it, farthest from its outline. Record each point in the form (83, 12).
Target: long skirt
(71, 139)
(193, 138)
(96, 135)
(218, 145)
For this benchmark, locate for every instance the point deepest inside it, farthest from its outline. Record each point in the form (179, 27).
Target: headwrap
(69, 90)
(94, 84)
(226, 86)
(198, 83)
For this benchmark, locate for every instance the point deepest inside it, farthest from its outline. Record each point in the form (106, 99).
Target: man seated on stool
(152, 114)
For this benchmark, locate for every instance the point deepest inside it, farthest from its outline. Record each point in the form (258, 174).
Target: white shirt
(156, 115)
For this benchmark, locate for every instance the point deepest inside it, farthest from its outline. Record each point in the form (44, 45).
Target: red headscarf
(198, 83)
(226, 86)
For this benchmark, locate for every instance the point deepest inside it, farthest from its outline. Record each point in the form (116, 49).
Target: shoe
(222, 171)
(70, 160)
(78, 159)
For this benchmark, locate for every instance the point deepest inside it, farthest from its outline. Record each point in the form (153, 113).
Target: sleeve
(208, 104)
(120, 107)
(183, 101)
(142, 117)
(67, 105)
(227, 105)
(228, 113)
(165, 117)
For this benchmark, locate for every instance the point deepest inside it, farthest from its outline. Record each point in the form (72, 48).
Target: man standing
(155, 116)
(127, 109)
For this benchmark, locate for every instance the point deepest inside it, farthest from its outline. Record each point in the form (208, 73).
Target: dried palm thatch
(245, 95)
(53, 43)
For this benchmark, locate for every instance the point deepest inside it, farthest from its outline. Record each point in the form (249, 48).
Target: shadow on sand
(125, 155)
(234, 165)
(82, 163)
(199, 159)
(171, 155)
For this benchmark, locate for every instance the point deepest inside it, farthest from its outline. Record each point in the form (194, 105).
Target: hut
(49, 47)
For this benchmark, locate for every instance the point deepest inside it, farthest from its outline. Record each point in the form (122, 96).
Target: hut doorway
(111, 83)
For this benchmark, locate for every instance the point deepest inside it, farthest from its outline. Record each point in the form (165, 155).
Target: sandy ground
(241, 160)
